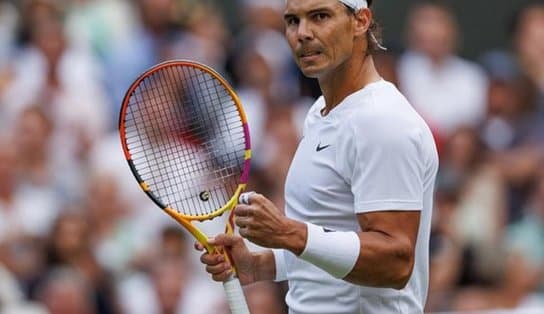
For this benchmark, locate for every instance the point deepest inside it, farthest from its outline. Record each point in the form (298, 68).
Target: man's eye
(321, 16)
(291, 21)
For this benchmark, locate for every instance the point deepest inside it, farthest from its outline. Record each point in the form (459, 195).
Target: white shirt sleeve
(381, 160)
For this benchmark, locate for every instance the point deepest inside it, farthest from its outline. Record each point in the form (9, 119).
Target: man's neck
(348, 78)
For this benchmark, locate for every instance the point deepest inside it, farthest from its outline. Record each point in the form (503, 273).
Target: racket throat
(199, 235)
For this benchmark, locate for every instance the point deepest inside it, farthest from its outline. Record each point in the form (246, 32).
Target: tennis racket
(186, 140)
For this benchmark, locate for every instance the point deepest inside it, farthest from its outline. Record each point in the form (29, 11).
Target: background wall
(484, 23)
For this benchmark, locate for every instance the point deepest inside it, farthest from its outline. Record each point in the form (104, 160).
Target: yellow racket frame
(183, 219)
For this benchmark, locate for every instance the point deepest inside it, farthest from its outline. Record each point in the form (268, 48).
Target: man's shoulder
(383, 102)
(387, 114)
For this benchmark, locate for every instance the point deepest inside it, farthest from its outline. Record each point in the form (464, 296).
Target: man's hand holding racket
(262, 223)
(219, 267)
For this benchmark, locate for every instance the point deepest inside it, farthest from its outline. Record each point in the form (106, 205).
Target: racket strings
(228, 171)
(186, 137)
(172, 194)
(193, 183)
(199, 131)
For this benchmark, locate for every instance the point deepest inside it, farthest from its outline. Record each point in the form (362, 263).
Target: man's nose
(304, 31)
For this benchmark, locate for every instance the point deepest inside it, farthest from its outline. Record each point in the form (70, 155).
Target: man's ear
(363, 19)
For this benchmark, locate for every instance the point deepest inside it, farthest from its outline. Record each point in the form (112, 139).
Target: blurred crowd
(77, 235)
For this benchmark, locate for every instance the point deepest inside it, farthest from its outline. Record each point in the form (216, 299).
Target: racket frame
(183, 219)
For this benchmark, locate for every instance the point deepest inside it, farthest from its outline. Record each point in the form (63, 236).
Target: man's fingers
(199, 246)
(222, 276)
(212, 259)
(224, 240)
(242, 222)
(243, 210)
(217, 269)
(246, 233)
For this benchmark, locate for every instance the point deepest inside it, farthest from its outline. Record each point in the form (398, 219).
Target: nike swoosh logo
(320, 148)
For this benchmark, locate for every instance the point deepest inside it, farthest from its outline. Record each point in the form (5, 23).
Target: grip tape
(235, 296)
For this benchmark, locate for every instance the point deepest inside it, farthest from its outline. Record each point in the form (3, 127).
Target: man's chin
(311, 72)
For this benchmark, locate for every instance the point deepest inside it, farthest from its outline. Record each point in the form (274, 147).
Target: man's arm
(386, 242)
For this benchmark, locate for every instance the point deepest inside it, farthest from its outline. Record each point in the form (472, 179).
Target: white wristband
(336, 252)
(281, 270)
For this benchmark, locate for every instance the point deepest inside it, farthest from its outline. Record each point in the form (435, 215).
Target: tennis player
(359, 192)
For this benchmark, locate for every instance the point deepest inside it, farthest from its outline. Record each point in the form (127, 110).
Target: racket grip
(235, 296)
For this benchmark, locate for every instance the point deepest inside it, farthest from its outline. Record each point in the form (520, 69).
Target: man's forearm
(384, 262)
(265, 266)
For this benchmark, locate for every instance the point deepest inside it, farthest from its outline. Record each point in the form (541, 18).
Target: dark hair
(373, 35)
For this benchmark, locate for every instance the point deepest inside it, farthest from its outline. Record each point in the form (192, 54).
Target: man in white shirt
(355, 235)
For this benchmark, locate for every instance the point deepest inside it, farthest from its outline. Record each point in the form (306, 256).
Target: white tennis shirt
(372, 152)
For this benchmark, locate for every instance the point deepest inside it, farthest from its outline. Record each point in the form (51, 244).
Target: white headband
(355, 4)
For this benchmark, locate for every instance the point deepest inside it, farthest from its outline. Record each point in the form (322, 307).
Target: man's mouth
(308, 55)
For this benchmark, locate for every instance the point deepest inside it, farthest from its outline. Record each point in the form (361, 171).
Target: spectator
(170, 279)
(114, 239)
(205, 38)
(94, 26)
(155, 34)
(64, 291)
(448, 91)
(36, 176)
(168, 282)
(69, 246)
(12, 300)
(521, 162)
(529, 46)
(254, 91)
(525, 238)
(262, 35)
(507, 124)
(65, 82)
(480, 213)
(445, 248)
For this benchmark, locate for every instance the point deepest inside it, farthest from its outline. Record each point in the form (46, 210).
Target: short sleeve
(381, 159)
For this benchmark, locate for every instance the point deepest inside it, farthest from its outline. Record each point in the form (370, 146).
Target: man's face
(320, 33)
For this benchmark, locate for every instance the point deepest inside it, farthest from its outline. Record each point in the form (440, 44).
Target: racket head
(185, 137)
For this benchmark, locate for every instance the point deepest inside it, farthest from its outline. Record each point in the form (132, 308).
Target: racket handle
(235, 296)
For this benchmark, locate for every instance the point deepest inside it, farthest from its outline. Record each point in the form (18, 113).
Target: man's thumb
(223, 240)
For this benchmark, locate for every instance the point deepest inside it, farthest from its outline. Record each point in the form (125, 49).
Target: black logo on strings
(204, 196)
